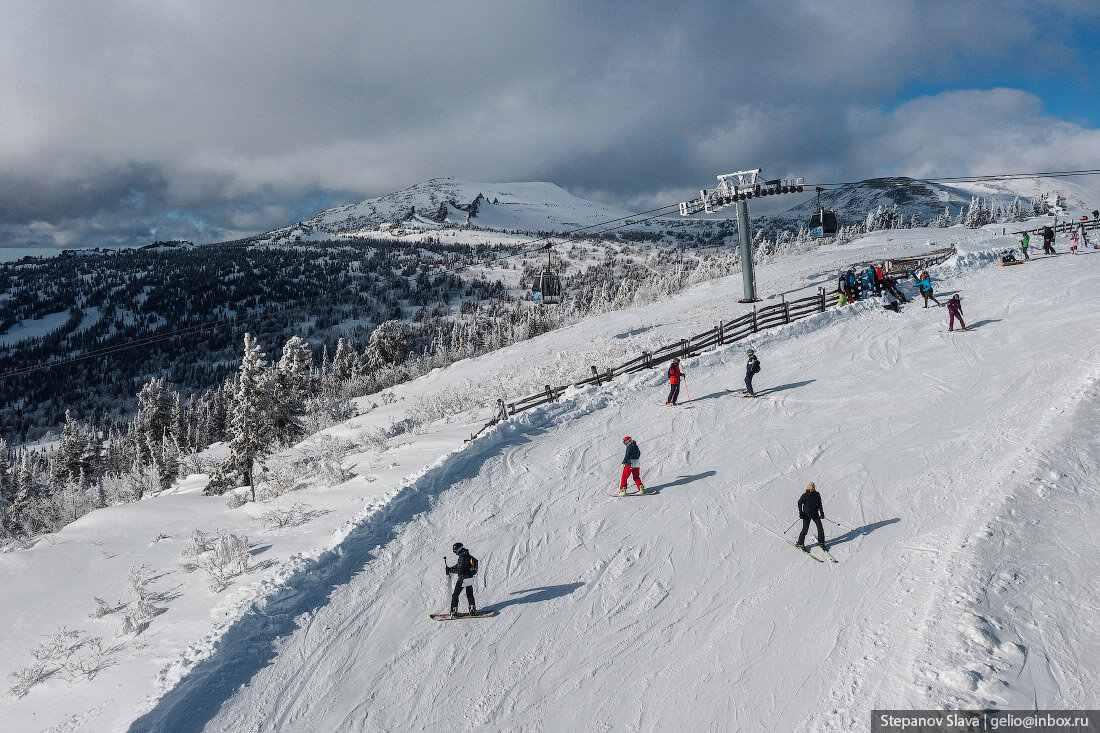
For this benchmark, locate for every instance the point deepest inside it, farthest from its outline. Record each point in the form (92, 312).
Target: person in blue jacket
(924, 285)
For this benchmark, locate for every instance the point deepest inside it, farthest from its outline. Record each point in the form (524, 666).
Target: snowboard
(461, 616)
(1017, 262)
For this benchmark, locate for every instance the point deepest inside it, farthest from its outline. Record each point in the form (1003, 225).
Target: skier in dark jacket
(955, 310)
(675, 376)
(752, 367)
(891, 286)
(631, 465)
(465, 569)
(1048, 241)
(809, 508)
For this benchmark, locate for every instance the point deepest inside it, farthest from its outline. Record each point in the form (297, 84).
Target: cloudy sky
(128, 120)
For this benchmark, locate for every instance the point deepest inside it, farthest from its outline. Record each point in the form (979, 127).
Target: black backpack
(756, 367)
(473, 565)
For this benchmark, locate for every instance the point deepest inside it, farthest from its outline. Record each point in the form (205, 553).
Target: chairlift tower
(738, 188)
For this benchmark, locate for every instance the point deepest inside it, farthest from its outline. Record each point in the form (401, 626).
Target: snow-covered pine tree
(291, 389)
(156, 410)
(72, 457)
(250, 433)
(389, 345)
(345, 364)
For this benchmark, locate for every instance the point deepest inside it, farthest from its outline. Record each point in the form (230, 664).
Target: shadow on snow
(861, 531)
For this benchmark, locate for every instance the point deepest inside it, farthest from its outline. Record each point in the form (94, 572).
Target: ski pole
(450, 586)
(788, 529)
(839, 524)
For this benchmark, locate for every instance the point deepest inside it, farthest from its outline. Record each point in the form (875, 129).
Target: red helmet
(626, 439)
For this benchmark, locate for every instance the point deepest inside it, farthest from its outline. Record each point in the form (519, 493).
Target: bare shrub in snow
(220, 559)
(327, 408)
(195, 463)
(102, 608)
(325, 456)
(197, 543)
(278, 477)
(283, 517)
(145, 604)
(24, 678)
(373, 439)
(66, 653)
(237, 499)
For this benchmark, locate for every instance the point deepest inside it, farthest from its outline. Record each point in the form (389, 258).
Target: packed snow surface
(957, 473)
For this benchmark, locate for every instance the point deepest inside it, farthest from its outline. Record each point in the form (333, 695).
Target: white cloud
(218, 105)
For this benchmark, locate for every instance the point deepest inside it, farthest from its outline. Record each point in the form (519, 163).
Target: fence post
(684, 346)
(721, 333)
(754, 328)
(549, 394)
(822, 291)
(786, 311)
(647, 355)
(512, 407)
(610, 373)
(596, 374)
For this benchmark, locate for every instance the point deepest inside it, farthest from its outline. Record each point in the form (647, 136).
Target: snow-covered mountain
(448, 202)
(851, 202)
(953, 465)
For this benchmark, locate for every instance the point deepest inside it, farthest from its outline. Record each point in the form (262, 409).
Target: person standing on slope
(631, 462)
(465, 569)
(675, 376)
(1025, 241)
(1048, 241)
(809, 508)
(752, 368)
(924, 285)
(955, 310)
(1073, 240)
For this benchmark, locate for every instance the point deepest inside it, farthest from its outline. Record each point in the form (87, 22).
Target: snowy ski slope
(960, 465)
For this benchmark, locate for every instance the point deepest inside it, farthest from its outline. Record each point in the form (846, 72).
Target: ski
(461, 616)
(828, 554)
(804, 552)
(633, 493)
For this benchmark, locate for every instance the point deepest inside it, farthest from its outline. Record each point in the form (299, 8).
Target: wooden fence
(779, 314)
(1064, 227)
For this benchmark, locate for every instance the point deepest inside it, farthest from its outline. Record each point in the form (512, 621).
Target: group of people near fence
(872, 280)
(1078, 237)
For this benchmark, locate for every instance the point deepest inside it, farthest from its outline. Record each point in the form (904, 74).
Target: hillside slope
(947, 457)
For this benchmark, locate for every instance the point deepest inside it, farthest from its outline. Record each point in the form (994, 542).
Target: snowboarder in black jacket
(809, 508)
(464, 569)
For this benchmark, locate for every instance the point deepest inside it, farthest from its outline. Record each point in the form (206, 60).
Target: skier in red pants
(630, 465)
(954, 310)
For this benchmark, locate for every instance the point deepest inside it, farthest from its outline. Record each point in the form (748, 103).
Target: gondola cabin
(546, 288)
(823, 223)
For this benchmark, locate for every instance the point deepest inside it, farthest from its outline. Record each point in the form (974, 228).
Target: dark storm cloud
(119, 117)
